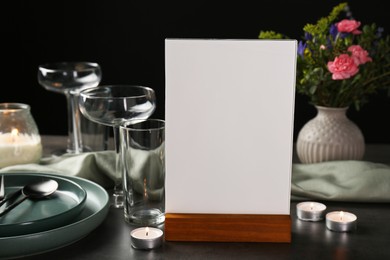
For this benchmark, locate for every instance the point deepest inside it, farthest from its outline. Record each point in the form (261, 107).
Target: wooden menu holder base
(227, 228)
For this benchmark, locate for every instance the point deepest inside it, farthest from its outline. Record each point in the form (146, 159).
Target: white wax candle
(310, 211)
(146, 238)
(341, 221)
(18, 148)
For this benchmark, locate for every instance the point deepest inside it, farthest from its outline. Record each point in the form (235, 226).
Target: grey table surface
(310, 240)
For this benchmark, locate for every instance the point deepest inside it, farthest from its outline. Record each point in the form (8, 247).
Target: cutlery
(10, 197)
(36, 190)
(2, 189)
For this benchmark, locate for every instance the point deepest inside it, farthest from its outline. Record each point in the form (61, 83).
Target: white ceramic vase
(330, 136)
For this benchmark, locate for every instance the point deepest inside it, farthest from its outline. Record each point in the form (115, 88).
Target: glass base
(117, 200)
(67, 151)
(145, 217)
(59, 152)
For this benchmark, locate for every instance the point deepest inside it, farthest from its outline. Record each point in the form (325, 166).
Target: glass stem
(74, 133)
(117, 152)
(118, 190)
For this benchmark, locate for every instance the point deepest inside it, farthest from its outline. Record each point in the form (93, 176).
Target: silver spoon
(2, 189)
(36, 190)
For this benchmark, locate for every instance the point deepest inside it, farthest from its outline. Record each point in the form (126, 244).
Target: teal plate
(39, 215)
(95, 211)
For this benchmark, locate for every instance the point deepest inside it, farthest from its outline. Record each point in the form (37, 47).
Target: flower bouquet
(340, 62)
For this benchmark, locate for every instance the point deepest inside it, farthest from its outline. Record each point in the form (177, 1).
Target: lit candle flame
(147, 231)
(14, 134)
(311, 206)
(341, 215)
(15, 131)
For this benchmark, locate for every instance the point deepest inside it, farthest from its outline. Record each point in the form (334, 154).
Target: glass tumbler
(143, 158)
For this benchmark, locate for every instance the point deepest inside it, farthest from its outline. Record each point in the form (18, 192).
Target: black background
(126, 38)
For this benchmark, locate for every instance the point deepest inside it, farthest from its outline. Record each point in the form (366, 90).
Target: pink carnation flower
(343, 67)
(359, 54)
(348, 26)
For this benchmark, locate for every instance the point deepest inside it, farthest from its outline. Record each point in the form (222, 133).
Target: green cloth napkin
(355, 181)
(98, 167)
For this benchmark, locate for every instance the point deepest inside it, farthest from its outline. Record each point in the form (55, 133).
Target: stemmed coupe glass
(70, 78)
(113, 105)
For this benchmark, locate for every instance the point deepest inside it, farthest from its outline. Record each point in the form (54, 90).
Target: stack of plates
(74, 210)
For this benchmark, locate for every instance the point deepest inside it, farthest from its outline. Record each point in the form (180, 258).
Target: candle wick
(341, 216)
(147, 233)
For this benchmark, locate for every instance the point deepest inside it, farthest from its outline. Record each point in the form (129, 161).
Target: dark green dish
(43, 214)
(95, 211)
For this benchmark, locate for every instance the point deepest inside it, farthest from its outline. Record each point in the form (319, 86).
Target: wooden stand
(227, 228)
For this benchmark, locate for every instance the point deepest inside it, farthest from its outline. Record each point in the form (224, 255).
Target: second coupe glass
(113, 105)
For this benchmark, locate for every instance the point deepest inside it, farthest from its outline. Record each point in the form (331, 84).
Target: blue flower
(333, 31)
(308, 36)
(301, 48)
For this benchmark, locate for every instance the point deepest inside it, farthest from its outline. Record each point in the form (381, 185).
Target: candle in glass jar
(146, 238)
(341, 221)
(311, 211)
(16, 148)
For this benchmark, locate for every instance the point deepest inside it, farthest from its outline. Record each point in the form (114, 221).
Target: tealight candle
(146, 238)
(311, 211)
(341, 221)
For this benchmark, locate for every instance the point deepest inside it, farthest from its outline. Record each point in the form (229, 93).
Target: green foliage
(323, 24)
(270, 35)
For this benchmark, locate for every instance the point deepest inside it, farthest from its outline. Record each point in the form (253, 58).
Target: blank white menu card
(229, 113)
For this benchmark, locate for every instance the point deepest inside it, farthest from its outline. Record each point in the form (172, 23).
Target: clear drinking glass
(70, 78)
(143, 157)
(113, 105)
